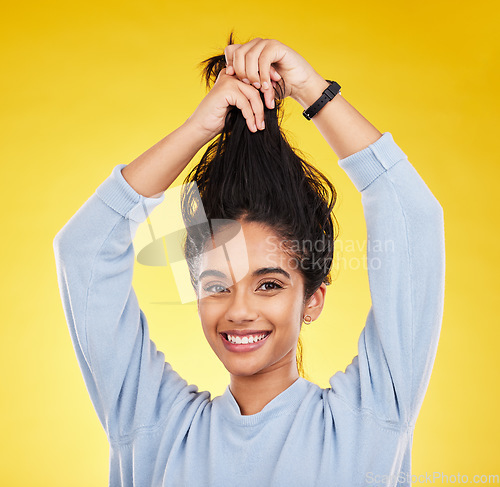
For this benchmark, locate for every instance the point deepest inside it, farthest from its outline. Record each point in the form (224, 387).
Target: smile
(244, 342)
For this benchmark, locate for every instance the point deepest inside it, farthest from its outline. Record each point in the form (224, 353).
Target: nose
(240, 308)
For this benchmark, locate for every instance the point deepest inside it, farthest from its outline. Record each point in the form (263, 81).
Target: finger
(242, 102)
(228, 53)
(221, 72)
(253, 97)
(239, 60)
(269, 93)
(269, 98)
(265, 70)
(253, 62)
(275, 75)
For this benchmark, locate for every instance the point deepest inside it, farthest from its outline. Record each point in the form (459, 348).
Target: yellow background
(88, 85)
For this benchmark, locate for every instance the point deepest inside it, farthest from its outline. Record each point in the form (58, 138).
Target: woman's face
(249, 287)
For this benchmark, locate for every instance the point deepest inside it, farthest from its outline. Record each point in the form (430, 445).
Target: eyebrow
(259, 272)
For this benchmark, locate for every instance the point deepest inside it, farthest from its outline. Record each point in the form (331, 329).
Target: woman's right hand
(210, 115)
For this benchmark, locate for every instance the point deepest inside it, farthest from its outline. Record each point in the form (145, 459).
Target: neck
(253, 392)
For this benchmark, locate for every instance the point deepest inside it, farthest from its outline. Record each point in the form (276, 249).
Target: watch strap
(327, 95)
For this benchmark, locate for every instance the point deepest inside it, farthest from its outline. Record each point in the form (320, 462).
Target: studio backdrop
(89, 85)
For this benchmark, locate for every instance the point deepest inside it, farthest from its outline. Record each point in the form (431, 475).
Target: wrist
(311, 91)
(195, 133)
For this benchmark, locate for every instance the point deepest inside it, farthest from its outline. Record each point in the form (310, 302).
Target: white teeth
(246, 339)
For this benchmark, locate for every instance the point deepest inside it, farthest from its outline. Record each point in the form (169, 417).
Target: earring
(307, 320)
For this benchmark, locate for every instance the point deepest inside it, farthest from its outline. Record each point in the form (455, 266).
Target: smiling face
(249, 287)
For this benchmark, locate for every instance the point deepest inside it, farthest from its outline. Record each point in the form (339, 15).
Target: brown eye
(273, 285)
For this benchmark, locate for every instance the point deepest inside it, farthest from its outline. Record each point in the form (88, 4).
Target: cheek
(209, 329)
(209, 316)
(286, 316)
(288, 305)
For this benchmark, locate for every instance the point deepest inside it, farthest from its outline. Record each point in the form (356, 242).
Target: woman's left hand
(264, 62)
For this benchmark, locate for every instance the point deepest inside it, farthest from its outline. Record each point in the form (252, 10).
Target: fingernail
(265, 85)
(263, 125)
(272, 103)
(245, 81)
(257, 85)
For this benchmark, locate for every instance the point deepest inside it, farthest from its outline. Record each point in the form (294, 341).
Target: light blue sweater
(164, 432)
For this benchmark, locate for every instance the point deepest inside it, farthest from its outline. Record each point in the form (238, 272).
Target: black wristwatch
(328, 95)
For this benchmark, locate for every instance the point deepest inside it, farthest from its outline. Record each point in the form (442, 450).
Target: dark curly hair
(259, 177)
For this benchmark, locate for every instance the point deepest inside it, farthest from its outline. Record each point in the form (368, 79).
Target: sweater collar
(286, 402)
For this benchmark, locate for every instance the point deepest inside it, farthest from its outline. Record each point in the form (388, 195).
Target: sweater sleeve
(130, 384)
(406, 272)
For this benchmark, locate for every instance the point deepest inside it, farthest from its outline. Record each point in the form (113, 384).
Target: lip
(243, 347)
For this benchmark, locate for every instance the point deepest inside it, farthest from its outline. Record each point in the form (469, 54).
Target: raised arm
(124, 373)
(406, 265)
(342, 126)
(398, 343)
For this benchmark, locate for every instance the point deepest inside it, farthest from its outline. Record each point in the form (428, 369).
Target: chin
(243, 369)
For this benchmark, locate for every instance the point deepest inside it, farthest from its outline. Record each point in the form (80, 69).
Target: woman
(271, 427)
